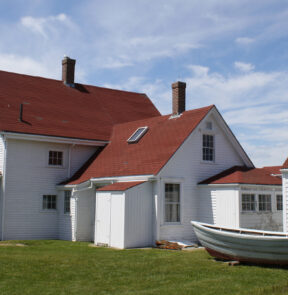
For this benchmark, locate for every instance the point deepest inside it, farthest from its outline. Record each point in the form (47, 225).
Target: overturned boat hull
(261, 247)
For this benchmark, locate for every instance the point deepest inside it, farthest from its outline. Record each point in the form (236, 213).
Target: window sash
(279, 201)
(264, 202)
(208, 147)
(49, 202)
(172, 202)
(248, 202)
(55, 158)
(67, 196)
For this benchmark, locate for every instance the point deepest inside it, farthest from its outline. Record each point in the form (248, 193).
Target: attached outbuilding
(244, 197)
(124, 215)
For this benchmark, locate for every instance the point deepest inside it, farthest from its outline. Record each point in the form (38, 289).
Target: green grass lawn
(58, 267)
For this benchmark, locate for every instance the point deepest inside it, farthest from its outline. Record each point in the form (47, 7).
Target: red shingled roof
(51, 108)
(244, 175)
(120, 186)
(151, 153)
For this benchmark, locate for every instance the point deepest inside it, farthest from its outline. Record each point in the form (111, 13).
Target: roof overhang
(235, 184)
(124, 178)
(55, 139)
(106, 180)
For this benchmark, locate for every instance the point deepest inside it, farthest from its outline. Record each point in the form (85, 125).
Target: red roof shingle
(51, 108)
(151, 153)
(120, 186)
(244, 175)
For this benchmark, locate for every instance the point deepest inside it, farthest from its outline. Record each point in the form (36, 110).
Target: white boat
(245, 245)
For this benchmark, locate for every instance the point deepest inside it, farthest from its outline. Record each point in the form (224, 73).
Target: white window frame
(255, 202)
(48, 158)
(46, 209)
(264, 203)
(180, 202)
(202, 148)
(139, 136)
(66, 202)
(280, 203)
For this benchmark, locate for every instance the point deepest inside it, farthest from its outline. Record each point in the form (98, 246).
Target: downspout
(75, 217)
(69, 160)
(3, 184)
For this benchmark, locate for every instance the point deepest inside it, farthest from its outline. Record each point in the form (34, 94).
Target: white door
(103, 219)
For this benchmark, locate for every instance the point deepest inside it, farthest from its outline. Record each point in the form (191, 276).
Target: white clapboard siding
(219, 206)
(285, 200)
(79, 155)
(187, 164)
(65, 229)
(139, 216)
(28, 178)
(85, 215)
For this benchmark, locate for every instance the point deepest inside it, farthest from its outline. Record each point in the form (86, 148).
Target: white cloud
(244, 67)
(199, 71)
(264, 154)
(44, 25)
(26, 65)
(244, 40)
(245, 89)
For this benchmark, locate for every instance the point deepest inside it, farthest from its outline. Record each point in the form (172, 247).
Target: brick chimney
(68, 70)
(179, 97)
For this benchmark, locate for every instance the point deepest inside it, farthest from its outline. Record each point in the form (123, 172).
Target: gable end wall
(187, 165)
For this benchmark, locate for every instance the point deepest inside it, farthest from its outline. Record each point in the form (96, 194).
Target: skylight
(135, 137)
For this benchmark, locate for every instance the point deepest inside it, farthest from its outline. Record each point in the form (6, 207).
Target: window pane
(49, 202)
(137, 134)
(279, 203)
(67, 201)
(55, 158)
(248, 202)
(172, 202)
(208, 148)
(264, 202)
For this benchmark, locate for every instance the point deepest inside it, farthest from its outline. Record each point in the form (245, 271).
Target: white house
(284, 171)
(86, 163)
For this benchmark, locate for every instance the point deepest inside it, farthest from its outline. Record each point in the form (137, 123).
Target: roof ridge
(162, 116)
(84, 84)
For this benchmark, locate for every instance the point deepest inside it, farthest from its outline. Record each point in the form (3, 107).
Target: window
(49, 202)
(264, 202)
(55, 158)
(67, 196)
(248, 202)
(208, 148)
(172, 202)
(136, 136)
(279, 203)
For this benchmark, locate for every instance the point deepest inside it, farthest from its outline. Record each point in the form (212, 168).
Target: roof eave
(236, 184)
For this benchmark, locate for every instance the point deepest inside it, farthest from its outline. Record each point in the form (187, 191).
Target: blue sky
(233, 54)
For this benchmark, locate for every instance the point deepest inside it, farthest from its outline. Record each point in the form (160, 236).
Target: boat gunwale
(241, 232)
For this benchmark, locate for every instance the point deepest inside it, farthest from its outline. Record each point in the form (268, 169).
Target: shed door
(103, 219)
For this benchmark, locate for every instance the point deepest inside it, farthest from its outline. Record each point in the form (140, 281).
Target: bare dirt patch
(12, 245)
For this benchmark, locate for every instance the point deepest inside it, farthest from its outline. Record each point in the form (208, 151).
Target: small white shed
(124, 215)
